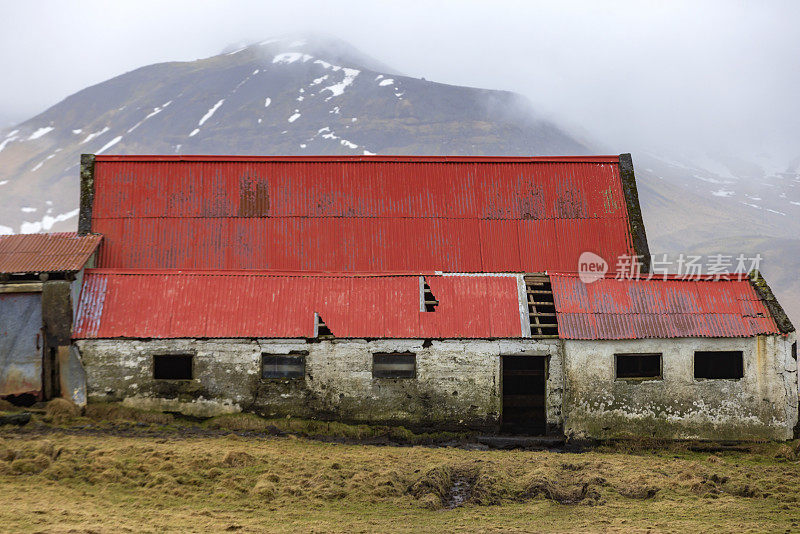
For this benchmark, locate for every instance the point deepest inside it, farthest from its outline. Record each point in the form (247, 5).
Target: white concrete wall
(761, 405)
(457, 383)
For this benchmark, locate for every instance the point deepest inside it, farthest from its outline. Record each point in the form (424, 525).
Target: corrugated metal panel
(370, 214)
(20, 343)
(636, 309)
(36, 253)
(142, 304)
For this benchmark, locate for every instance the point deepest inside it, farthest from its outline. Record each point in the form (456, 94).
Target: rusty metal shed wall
(37, 253)
(367, 214)
(20, 343)
(637, 308)
(169, 304)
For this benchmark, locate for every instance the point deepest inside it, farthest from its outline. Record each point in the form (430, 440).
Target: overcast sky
(666, 75)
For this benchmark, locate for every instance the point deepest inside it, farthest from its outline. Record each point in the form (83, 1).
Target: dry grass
(110, 483)
(61, 411)
(244, 422)
(111, 412)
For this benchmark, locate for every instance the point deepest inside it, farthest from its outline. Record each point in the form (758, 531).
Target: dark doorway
(523, 395)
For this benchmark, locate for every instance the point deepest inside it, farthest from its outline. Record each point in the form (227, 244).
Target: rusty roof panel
(374, 214)
(205, 304)
(637, 308)
(37, 253)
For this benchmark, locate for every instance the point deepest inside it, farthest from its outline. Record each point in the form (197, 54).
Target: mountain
(319, 95)
(284, 96)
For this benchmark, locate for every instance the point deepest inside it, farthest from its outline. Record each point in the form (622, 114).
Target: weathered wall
(457, 382)
(20, 343)
(761, 405)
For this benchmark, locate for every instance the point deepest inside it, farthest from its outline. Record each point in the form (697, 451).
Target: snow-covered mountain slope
(281, 96)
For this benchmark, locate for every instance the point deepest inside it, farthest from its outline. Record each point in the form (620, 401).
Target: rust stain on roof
(37, 253)
(638, 308)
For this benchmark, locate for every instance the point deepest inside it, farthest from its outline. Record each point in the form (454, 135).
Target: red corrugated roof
(639, 308)
(37, 253)
(171, 304)
(457, 214)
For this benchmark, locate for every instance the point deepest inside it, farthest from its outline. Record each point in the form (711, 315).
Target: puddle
(459, 492)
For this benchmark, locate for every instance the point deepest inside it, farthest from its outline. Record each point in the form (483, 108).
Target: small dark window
(794, 350)
(394, 365)
(172, 366)
(639, 366)
(718, 364)
(283, 366)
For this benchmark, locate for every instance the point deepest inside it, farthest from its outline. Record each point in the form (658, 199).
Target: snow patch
(6, 230)
(76, 132)
(368, 153)
(267, 102)
(255, 72)
(290, 57)
(194, 132)
(109, 144)
(387, 81)
(6, 141)
(348, 144)
(338, 88)
(711, 180)
(46, 223)
(722, 193)
(378, 77)
(40, 132)
(27, 209)
(302, 146)
(39, 165)
(319, 80)
(4, 182)
(153, 113)
(210, 112)
(294, 117)
(327, 65)
(94, 134)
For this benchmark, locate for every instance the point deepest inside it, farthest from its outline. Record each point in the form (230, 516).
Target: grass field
(78, 474)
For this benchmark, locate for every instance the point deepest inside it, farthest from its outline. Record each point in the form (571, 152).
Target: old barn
(432, 292)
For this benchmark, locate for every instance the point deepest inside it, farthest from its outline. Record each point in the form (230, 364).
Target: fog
(671, 76)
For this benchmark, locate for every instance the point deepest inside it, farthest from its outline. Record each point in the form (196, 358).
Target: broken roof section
(372, 214)
(639, 308)
(234, 304)
(41, 253)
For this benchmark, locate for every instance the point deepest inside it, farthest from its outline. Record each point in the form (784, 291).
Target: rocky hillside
(297, 96)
